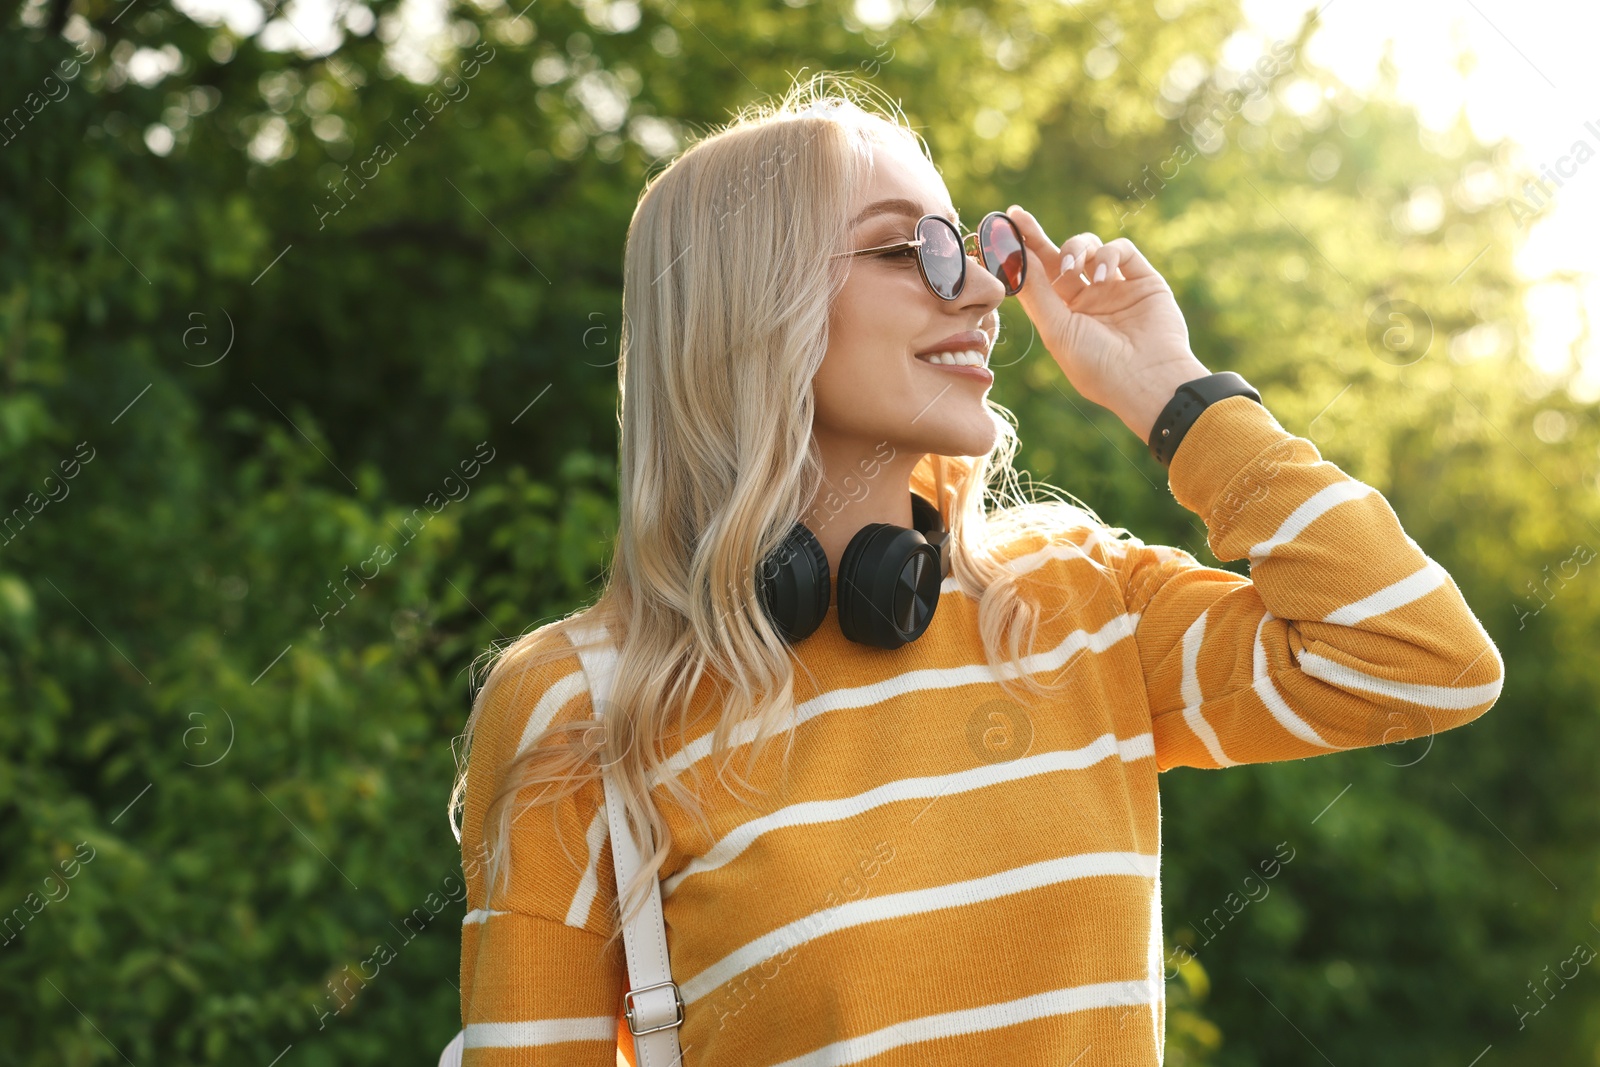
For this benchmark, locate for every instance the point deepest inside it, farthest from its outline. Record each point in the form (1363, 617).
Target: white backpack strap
(653, 1006)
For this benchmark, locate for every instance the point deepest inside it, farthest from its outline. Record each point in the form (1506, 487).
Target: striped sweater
(949, 876)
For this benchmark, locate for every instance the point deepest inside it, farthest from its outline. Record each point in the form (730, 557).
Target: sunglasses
(942, 256)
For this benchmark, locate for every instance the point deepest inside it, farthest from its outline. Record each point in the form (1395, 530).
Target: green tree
(327, 343)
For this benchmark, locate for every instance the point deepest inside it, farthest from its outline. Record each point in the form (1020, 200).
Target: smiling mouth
(972, 357)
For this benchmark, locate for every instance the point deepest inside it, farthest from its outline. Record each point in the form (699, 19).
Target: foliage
(275, 368)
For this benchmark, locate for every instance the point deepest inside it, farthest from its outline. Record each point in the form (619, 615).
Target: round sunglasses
(942, 256)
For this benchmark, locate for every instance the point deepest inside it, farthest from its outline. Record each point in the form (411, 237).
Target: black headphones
(889, 580)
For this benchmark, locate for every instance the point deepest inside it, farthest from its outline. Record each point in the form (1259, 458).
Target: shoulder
(1062, 566)
(522, 696)
(532, 685)
(1054, 550)
(1068, 564)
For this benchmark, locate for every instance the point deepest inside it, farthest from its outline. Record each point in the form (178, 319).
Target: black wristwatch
(1186, 405)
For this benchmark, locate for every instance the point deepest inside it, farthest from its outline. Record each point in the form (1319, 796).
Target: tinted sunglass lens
(943, 261)
(1001, 243)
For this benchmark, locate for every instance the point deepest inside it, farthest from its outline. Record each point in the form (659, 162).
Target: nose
(982, 289)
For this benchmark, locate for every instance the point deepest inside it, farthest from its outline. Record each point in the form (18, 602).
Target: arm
(1345, 635)
(539, 985)
(537, 991)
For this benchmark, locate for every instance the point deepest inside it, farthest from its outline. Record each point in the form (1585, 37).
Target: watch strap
(1185, 407)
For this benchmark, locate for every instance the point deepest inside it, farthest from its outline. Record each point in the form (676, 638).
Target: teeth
(970, 358)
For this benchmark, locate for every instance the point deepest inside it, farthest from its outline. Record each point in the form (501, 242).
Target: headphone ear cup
(794, 584)
(889, 580)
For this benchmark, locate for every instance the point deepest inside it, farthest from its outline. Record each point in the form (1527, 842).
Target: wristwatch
(1186, 405)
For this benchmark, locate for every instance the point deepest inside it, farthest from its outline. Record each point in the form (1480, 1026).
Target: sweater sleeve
(1345, 635)
(539, 984)
(535, 991)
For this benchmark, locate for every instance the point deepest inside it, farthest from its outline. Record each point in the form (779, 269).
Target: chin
(972, 443)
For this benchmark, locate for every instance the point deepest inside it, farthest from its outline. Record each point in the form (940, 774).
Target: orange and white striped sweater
(950, 877)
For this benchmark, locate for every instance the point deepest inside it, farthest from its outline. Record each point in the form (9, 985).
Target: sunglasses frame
(961, 283)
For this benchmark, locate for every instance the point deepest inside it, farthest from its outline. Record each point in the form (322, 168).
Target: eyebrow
(899, 206)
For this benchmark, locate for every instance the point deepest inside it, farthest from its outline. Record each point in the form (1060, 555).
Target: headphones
(889, 580)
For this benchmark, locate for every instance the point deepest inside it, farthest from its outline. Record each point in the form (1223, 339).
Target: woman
(956, 859)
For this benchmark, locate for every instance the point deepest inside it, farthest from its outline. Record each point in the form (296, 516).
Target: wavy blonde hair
(725, 322)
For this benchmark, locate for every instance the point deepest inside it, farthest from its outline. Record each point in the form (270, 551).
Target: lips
(970, 349)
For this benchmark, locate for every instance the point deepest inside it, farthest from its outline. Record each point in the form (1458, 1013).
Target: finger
(1077, 265)
(1044, 306)
(1044, 260)
(1078, 249)
(1036, 289)
(1121, 255)
(1034, 238)
(1100, 266)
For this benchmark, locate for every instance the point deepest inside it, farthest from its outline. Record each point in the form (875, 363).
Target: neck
(863, 483)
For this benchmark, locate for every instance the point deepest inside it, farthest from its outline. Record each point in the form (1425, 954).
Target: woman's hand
(1109, 320)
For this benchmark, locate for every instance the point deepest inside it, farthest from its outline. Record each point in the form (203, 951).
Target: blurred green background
(230, 374)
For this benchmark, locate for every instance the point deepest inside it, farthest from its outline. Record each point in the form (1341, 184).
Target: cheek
(865, 380)
(837, 380)
(871, 328)
(849, 314)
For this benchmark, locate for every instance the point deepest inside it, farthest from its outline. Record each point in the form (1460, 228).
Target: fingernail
(1100, 273)
(1067, 263)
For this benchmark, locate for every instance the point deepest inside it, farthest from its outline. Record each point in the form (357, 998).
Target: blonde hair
(726, 290)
